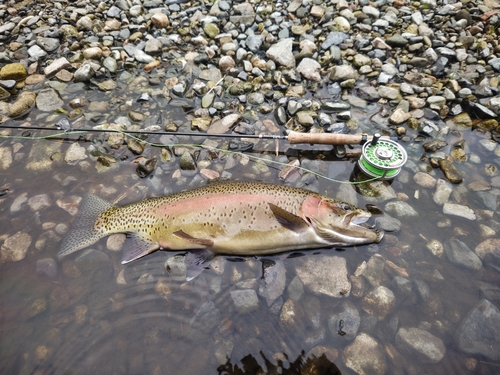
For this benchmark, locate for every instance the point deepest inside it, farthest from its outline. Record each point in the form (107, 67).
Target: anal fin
(136, 247)
(198, 241)
(288, 220)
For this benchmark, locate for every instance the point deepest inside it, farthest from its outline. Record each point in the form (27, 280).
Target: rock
(310, 69)
(273, 282)
(176, 267)
(379, 302)
(424, 346)
(345, 322)
(46, 267)
(489, 251)
(479, 332)
(84, 73)
(224, 125)
(451, 172)
(39, 202)
(22, 105)
(281, 53)
(56, 66)
(160, 20)
(325, 275)
(92, 53)
(343, 73)
(374, 271)
(245, 300)
(443, 192)
(424, 179)
(75, 153)
(206, 319)
(5, 158)
(460, 254)
(84, 23)
(15, 247)
(365, 356)
(14, 71)
(292, 317)
(459, 210)
(48, 100)
(401, 209)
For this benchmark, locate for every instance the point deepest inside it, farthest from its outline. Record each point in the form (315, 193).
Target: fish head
(339, 223)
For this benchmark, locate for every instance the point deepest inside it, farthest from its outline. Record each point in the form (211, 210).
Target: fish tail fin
(82, 232)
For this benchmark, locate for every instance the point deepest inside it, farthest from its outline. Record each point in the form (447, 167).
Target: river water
(88, 313)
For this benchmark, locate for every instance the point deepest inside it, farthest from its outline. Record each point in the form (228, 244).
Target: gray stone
(343, 72)
(379, 302)
(325, 275)
(48, 100)
(479, 332)
(273, 282)
(206, 319)
(345, 322)
(334, 39)
(245, 300)
(421, 344)
(281, 53)
(84, 73)
(365, 356)
(310, 69)
(46, 267)
(48, 44)
(56, 66)
(36, 52)
(461, 255)
(401, 209)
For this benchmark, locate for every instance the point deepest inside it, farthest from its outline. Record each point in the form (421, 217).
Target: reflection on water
(88, 313)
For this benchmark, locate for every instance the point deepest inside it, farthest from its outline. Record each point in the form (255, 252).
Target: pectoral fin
(196, 261)
(198, 241)
(288, 220)
(136, 247)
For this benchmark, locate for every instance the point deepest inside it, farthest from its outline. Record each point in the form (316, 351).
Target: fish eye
(347, 208)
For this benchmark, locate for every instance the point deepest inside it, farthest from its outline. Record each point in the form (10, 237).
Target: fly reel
(382, 158)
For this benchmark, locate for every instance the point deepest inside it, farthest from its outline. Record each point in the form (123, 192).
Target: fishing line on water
(153, 144)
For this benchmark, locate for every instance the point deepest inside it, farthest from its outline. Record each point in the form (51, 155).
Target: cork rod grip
(327, 138)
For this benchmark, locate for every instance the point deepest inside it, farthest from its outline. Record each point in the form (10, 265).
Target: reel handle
(329, 138)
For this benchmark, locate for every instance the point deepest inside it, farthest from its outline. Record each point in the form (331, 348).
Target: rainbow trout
(238, 218)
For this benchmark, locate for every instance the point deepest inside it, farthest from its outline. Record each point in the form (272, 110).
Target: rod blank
(292, 137)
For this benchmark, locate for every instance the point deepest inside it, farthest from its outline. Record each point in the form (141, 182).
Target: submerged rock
(325, 275)
(365, 356)
(421, 344)
(479, 332)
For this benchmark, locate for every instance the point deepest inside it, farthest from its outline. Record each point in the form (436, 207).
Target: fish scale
(244, 218)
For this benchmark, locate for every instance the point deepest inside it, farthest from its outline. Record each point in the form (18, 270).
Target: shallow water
(97, 315)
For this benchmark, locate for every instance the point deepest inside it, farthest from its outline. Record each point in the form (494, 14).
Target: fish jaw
(340, 224)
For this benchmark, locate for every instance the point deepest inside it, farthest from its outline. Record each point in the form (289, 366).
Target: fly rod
(292, 137)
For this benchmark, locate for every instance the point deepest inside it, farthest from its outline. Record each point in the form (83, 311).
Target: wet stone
(379, 302)
(489, 251)
(365, 356)
(345, 322)
(325, 275)
(421, 344)
(15, 247)
(274, 281)
(22, 105)
(245, 300)
(461, 255)
(451, 172)
(206, 319)
(48, 100)
(15, 71)
(459, 210)
(401, 209)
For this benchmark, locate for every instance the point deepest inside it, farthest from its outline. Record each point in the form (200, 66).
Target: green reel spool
(382, 158)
